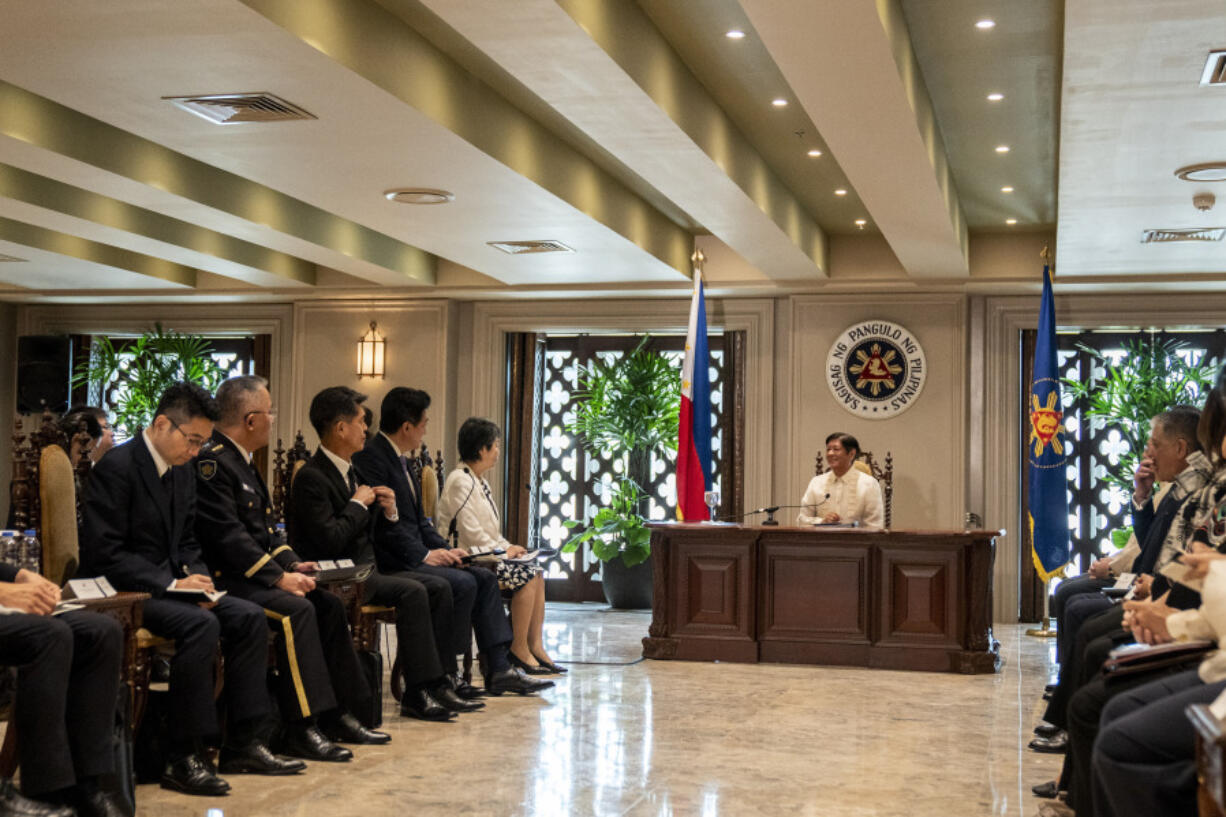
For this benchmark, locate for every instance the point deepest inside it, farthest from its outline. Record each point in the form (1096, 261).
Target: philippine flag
(694, 436)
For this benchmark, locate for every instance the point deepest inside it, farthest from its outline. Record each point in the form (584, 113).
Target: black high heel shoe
(531, 669)
(551, 666)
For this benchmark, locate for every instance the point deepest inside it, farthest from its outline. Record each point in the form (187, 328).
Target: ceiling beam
(605, 68)
(207, 249)
(64, 132)
(852, 67)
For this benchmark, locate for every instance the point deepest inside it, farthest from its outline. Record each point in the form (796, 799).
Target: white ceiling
(622, 129)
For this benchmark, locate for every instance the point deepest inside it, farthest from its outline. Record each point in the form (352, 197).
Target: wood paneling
(894, 599)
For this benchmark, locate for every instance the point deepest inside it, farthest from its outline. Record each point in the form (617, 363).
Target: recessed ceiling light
(840, 192)
(995, 97)
(418, 195)
(984, 25)
(1010, 221)
(735, 34)
(1002, 148)
(861, 222)
(1204, 172)
(780, 102)
(1006, 189)
(815, 153)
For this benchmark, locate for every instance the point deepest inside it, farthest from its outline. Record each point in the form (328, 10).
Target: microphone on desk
(769, 510)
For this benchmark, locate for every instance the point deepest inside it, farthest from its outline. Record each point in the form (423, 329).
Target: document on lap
(195, 594)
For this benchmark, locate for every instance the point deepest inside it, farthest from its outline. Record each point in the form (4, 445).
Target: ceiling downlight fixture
(418, 195)
(1203, 172)
(735, 34)
(985, 24)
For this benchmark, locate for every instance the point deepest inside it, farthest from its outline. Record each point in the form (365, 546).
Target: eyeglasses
(194, 441)
(272, 414)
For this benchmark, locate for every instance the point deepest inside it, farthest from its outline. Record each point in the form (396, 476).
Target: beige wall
(954, 450)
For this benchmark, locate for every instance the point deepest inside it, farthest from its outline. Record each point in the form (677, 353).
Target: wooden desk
(916, 600)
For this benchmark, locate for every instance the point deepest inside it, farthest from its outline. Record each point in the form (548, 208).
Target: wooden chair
(884, 476)
(1210, 761)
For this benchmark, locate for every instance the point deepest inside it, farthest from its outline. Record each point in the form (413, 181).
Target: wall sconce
(370, 353)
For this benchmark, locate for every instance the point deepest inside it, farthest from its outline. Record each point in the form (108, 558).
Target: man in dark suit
(138, 530)
(67, 682)
(234, 524)
(332, 512)
(407, 542)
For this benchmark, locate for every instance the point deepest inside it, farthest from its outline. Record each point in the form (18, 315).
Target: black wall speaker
(44, 364)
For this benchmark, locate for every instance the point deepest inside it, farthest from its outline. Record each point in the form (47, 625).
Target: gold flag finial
(1046, 253)
(698, 259)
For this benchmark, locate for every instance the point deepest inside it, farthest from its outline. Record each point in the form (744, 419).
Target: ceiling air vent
(525, 247)
(7, 258)
(1215, 69)
(233, 109)
(1168, 236)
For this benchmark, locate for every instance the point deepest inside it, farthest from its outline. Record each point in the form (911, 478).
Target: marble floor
(622, 736)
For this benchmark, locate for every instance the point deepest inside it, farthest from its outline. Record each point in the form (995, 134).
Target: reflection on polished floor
(618, 736)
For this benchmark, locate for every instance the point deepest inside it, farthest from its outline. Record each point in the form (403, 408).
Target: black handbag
(121, 782)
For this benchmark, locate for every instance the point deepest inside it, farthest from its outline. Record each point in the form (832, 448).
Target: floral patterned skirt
(514, 575)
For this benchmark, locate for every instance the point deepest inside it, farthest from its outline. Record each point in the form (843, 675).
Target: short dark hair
(1181, 423)
(186, 401)
(476, 435)
(846, 440)
(232, 395)
(82, 418)
(1212, 426)
(332, 405)
(402, 405)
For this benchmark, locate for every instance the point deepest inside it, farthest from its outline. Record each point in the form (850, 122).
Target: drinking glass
(712, 500)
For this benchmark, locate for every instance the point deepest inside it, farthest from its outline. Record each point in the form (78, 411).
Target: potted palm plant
(146, 367)
(626, 407)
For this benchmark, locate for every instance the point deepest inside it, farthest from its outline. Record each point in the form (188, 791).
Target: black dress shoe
(1047, 730)
(99, 804)
(308, 743)
(419, 703)
(256, 758)
(446, 696)
(464, 689)
(556, 669)
(190, 775)
(347, 729)
(13, 804)
(1056, 744)
(530, 669)
(513, 680)
(1047, 790)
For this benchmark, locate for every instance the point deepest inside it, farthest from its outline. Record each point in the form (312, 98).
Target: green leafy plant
(617, 528)
(625, 407)
(1153, 375)
(146, 367)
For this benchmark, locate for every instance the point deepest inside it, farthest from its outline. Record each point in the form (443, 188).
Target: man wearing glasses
(321, 683)
(138, 531)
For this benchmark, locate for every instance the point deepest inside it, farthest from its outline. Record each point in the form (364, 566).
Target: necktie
(353, 483)
(408, 475)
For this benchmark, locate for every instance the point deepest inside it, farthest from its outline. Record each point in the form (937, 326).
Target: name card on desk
(1125, 581)
(344, 563)
(327, 564)
(89, 589)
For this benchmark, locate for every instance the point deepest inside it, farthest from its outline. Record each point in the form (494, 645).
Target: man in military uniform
(316, 659)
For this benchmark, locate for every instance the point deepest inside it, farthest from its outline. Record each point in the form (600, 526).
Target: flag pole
(1047, 630)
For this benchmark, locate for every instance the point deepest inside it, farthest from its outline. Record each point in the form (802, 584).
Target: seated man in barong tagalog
(844, 495)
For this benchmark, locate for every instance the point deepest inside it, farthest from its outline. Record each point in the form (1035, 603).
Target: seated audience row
(179, 512)
(1129, 749)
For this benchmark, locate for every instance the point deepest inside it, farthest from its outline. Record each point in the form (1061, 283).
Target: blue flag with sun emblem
(1046, 449)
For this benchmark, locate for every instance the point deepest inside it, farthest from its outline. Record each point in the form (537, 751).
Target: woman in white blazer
(466, 506)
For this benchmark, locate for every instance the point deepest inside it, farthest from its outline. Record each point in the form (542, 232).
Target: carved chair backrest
(884, 476)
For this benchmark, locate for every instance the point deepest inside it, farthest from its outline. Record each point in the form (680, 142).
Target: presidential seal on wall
(876, 369)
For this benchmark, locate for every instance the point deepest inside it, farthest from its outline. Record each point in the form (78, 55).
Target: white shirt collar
(158, 462)
(341, 465)
(246, 454)
(392, 443)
